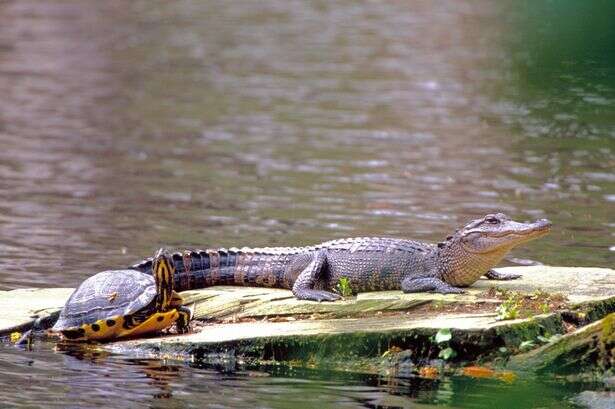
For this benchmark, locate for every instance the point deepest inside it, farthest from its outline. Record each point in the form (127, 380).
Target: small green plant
(548, 338)
(447, 353)
(509, 309)
(526, 345)
(539, 294)
(544, 307)
(438, 304)
(542, 339)
(343, 287)
(443, 336)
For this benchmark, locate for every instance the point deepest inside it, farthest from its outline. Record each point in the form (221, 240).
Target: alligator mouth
(537, 229)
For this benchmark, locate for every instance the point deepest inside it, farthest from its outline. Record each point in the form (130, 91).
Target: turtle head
(163, 270)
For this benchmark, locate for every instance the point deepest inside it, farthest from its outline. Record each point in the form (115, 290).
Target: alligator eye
(492, 220)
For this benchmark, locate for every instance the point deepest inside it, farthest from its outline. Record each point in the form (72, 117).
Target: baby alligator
(369, 264)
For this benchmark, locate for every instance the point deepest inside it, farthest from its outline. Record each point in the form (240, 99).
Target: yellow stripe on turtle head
(163, 270)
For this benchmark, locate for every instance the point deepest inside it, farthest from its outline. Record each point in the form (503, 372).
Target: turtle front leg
(494, 275)
(183, 322)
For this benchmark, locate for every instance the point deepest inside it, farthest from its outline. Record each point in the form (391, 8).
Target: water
(127, 126)
(95, 379)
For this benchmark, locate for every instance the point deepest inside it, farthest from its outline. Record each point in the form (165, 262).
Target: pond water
(89, 379)
(125, 126)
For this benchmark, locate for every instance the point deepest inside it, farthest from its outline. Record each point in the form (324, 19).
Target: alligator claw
(318, 295)
(452, 290)
(494, 275)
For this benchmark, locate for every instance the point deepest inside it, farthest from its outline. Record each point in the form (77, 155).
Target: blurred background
(125, 126)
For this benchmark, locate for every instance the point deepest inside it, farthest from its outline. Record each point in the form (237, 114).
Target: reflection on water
(129, 125)
(89, 378)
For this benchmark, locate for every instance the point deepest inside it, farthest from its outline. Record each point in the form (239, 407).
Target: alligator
(368, 263)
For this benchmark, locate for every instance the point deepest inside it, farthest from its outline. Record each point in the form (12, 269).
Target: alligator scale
(370, 264)
(143, 299)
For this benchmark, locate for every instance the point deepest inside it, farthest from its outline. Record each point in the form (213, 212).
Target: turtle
(124, 303)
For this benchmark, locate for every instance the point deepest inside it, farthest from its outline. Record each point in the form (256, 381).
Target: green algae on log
(588, 348)
(330, 339)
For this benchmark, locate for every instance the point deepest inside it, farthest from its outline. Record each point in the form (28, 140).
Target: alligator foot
(316, 295)
(494, 275)
(429, 284)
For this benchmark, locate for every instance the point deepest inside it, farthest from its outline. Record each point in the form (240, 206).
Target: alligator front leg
(494, 275)
(431, 284)
(303, 288)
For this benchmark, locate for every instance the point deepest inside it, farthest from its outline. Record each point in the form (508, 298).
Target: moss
(582, 350)
(594, 310)
(607, 343)
(344, 349)
(514, 334)
(608, 329)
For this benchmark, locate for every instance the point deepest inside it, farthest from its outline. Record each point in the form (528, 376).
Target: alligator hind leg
(303, 288)
(494, 275)
(431, 284)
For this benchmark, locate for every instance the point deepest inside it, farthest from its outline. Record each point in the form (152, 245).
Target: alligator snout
(544, 223)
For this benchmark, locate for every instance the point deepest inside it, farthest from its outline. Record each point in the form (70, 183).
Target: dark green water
(125, 126)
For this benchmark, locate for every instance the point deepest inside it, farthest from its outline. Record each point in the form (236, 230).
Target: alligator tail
(196, 269)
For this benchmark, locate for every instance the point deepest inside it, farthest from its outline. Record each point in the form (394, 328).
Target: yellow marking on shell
(156, 322)
(102, 330)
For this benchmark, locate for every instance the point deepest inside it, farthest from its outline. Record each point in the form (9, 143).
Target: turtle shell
(105, 295)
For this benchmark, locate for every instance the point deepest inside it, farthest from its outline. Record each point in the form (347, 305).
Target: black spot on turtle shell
(110, 323)
(81, 331)
(95, 327)
(160, 318)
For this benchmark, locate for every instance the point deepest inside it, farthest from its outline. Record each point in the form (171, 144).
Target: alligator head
(497, 232)
(481, 244)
